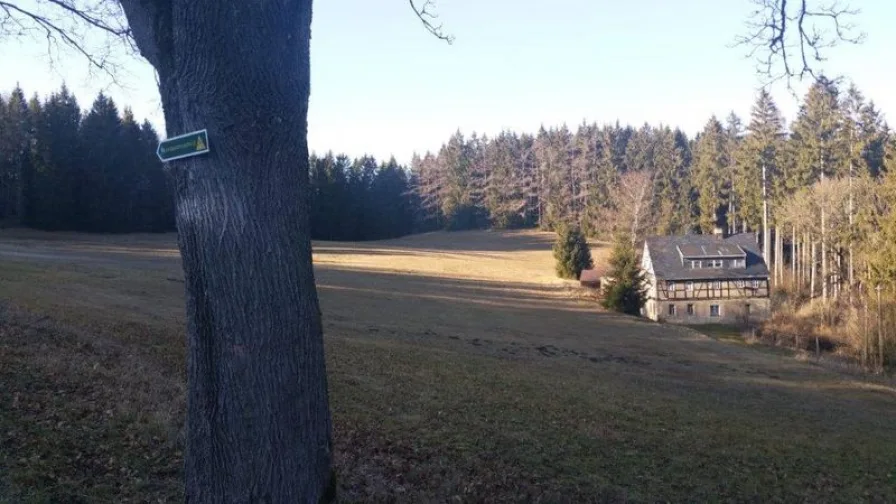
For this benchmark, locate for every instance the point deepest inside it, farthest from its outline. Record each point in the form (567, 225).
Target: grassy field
(460, 370)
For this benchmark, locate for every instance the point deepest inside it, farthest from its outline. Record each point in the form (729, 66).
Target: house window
(715, 263)
(740, 263)
(690, 287)
(714, 310)
(755, 284)
(671, 286)
(740, 284)
(696, 264)
(690, 309)
(671, 310)
(717, 285)
(747, 309)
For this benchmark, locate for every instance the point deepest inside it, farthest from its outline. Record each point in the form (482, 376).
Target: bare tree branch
(788, 38)
(89, 18)
(68, 23)
(428, 17)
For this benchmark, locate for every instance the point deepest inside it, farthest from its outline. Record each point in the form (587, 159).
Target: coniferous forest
(826, 180)
(62, 168)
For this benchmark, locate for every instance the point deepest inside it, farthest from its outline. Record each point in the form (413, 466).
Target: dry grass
(460, 370)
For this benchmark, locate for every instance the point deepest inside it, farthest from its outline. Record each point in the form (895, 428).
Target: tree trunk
(766, 245)
(20, 190)
(880, 329)
(812, 268)
(865, 335)
(851, 229)
(824, 248)
(807, 260)
(258, 421)
(793, 257)
(779, 255)
(803, 256)
(824, 261)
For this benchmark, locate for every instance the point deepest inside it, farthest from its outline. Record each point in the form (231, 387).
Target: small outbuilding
(594, 278)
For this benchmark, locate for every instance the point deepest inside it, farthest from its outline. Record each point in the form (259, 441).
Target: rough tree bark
(813, 267)
(258, 421)
(766, 237)
(795, 251)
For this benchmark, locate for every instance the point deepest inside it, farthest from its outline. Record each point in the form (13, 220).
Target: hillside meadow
(460, 370)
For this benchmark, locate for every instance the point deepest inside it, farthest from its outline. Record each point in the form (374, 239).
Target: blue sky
(382, 85)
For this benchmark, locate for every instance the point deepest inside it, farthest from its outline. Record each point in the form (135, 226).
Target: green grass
(459, 371)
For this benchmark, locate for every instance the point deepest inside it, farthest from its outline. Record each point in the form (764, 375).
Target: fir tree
(625, 292)
(571, 253)
(760, 150)
(709, 174)
(15, 147)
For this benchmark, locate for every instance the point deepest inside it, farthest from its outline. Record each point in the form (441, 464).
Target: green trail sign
(183, 146)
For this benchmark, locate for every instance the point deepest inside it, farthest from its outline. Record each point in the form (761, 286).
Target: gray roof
(666, 256)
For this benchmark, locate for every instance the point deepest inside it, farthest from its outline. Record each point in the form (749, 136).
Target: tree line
(607, 179)
(62, 169)
(65, 169)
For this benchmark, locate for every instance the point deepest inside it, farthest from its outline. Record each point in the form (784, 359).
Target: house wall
(711, 289)
(731, 311)
(650, 307)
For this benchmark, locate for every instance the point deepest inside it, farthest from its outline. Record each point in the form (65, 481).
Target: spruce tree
(625, 292)
(156, 208)
(733, 138)
(817, 136)
(672, 198)
(571, 253)
(760, 149)
(709, 174)
(15, 153)
(102, 156)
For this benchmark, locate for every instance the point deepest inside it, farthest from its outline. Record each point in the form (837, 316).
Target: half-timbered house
(698, 279)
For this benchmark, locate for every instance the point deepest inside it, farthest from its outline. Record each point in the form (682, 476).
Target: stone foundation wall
(731, 311)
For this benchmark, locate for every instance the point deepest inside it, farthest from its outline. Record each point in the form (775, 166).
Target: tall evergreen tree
(625, 293)
(709, 177)
(820, 152)
(155, 205)
(103, 157)
(733, 138)
(761, 150)
(56, 179)
(15, 146)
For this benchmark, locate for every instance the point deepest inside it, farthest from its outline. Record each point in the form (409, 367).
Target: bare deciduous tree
(631, 205)
(788, 38)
